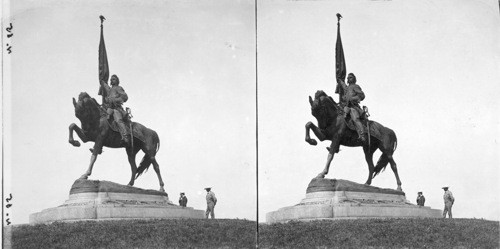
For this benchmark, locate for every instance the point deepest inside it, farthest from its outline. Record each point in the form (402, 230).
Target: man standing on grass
(448, 202)
(211, 201)
(183, 200)
(420, 199)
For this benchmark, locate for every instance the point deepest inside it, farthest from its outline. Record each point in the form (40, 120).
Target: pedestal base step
(102, 200)
(342, 199)
(111, 212)
(350, 211)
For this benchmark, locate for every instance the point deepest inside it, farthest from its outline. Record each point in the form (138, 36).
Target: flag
(340, 67)
(103, 62)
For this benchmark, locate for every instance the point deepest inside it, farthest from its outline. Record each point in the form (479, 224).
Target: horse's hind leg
(131, 159)
(369, 160)
(395, 170)
(157, 170)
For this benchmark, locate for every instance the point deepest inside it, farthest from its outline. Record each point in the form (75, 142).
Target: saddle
(363, 118)
(376, 129)
(133, 129)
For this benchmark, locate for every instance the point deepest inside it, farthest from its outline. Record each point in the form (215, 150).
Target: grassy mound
(371, 233)
(137, 234)
(383, 233)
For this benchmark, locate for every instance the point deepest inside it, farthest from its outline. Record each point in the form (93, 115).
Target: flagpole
(340, 66)
(103, 67)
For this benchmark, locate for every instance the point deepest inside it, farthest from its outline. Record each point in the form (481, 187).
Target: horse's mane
(328, 106)
(324, 99)
(88, 104)
(83, 96)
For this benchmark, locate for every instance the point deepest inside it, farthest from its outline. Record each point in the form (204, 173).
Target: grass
(363, 233)
(383, 233)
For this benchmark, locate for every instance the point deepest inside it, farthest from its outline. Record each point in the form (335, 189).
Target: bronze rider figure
(353, 95)
(115, 97)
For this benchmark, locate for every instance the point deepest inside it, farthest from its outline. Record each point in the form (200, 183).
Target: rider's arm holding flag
(104, 91)
(105, 87)
(343, 86)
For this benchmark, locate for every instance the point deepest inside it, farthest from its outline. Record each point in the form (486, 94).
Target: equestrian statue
(346, 123)
(110, 125)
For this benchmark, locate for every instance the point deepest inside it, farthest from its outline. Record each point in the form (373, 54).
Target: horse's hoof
(399, 188)
(83, 177)
(311, 141)
(162, 189)
(75, 143)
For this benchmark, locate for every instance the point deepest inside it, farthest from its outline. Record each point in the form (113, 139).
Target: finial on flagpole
(102, 18)
(339, 16)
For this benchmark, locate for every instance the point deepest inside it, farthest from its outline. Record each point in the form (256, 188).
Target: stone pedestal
(342, 199)
(103, 200)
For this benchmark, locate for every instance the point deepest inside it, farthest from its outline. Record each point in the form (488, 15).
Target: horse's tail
(394, 141)
(143, 166)
(384, 158)
(381, 164)
(156, 141)
(146, 160)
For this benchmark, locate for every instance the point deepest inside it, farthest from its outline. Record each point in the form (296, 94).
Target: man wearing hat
(211, 201)
(420, 199)
(448, 202)
(183, 200)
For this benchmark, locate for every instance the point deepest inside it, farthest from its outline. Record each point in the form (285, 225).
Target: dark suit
(183, 200)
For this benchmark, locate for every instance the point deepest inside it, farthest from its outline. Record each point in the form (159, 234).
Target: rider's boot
(123, 131)
(359, 129)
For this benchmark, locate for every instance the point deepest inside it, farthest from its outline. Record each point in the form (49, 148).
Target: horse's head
(323, 108)
(86, 109)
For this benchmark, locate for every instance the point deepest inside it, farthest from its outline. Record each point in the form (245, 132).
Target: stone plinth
(103, 200)
(341, 199)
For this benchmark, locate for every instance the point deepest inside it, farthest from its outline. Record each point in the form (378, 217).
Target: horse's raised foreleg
(79, 132)
(317, 132)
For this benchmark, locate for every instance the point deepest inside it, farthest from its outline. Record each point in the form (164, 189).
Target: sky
(429, 70)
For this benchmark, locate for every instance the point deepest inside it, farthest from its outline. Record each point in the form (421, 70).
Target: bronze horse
(96, 128)
(333, 127)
